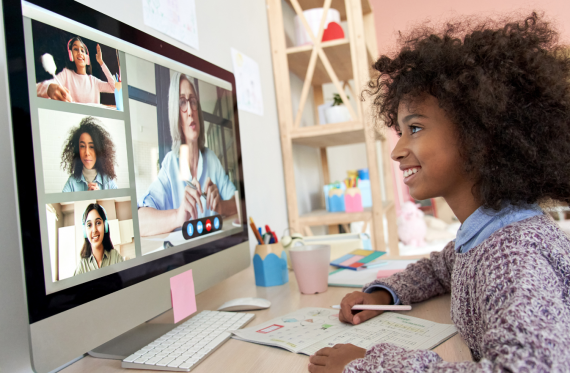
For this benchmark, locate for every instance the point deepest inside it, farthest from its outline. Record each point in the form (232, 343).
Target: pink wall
(403, 14)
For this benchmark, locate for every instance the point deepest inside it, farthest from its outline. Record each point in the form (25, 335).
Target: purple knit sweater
(510, 301)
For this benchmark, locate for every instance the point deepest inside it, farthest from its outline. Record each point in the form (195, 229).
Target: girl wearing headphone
(98, 250)
(75, 82)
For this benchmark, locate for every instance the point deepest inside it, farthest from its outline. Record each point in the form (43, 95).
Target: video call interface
(134, 160)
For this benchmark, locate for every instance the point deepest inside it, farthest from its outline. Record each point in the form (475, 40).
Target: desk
(239, 356)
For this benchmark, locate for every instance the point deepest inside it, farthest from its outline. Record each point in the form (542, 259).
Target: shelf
(334, 134)
(323, 217)
(338, 53)
(336, 4)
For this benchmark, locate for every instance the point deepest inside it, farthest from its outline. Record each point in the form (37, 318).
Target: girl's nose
(400, 150)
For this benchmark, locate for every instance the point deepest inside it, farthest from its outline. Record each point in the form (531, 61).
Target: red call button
(208, 225)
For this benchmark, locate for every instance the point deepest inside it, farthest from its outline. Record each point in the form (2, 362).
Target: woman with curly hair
(483, 114)
(89, 158)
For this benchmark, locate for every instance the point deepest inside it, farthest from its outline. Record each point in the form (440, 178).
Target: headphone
(105, 220)
(87, 58)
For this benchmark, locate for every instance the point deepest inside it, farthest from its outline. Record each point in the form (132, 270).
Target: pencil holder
(270, 265)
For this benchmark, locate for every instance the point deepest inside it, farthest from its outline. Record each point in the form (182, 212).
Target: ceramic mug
(311, 267)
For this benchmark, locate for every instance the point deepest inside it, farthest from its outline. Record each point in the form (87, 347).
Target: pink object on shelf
(353, 200)
(182, 295)
(311, 267)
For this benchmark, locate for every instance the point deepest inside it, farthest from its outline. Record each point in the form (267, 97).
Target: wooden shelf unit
(337, 62)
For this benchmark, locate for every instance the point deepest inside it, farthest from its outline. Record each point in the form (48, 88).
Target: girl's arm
(422, 280)
(42, 87)
(109, 85)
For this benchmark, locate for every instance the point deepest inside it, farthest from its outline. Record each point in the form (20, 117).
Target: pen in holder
(270, 265)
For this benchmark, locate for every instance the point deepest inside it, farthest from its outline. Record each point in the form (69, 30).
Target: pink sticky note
(182, 295)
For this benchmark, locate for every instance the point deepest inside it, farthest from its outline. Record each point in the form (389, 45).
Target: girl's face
(87, 151)
(188, 108)
(79, 54)
(428, 151)
(95, 228)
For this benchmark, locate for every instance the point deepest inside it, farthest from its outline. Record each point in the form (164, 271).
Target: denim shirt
(477, 228)
(80, 185)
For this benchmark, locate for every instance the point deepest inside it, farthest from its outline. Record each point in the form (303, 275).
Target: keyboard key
(153, 360)
(186, 365)
(141, 360)
(164, 362)
(175, 363)
(131, 358)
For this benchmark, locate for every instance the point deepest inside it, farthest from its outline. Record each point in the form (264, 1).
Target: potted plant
(338, 112)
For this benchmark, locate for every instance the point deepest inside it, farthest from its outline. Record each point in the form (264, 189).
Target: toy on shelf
(411, 225)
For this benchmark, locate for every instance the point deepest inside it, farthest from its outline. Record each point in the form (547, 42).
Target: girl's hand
(99, 55)
(213, 199)
(59, 93)
(187, 209)
(333, 360)
(357, 297)
(92, 186)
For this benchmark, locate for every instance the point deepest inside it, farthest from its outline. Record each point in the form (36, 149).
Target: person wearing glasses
(192, 182)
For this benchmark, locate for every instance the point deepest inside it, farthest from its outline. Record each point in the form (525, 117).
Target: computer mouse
(245, 304)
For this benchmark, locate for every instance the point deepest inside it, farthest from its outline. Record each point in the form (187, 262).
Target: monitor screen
(132, 162)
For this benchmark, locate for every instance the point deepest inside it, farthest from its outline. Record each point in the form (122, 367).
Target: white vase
(337, 114)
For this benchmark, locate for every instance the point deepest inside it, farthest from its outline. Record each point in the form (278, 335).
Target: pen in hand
(374, 307)
(193, 187)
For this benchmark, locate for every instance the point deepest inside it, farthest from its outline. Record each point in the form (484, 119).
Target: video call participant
(169, 201)
(89, 158)
(77, 83)
(98, 250)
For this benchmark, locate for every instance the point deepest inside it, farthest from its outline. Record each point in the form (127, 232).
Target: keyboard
(187, 345)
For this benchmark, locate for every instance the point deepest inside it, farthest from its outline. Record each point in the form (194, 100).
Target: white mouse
(245, 304)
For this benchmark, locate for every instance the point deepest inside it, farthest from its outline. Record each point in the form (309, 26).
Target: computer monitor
(128, 168)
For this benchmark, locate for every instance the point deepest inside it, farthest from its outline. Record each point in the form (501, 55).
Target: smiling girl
(483, 115)
(77, 83)
(98, 250)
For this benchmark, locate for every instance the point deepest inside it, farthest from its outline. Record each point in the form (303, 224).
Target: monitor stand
(131, 341)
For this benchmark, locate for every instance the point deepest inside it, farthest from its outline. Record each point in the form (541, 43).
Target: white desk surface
(238, 356)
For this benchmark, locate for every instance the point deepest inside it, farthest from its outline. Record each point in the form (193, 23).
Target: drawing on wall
(175, 18)
(248, 83)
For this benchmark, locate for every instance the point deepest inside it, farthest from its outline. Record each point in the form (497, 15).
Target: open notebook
(309, 329)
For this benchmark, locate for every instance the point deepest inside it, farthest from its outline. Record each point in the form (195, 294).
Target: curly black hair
(506, 85)
(104, 149)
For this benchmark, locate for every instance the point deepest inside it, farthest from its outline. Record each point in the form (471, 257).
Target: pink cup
(311, 267)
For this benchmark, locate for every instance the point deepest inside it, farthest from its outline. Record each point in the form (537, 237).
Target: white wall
(54, 131)
(239, 24)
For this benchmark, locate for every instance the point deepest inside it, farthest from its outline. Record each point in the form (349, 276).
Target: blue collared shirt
(477, 228)
(167, 191)
(80, 185)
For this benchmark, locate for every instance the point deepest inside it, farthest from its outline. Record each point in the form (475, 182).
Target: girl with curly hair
(75, 83)
(482, 110)
(89, 158)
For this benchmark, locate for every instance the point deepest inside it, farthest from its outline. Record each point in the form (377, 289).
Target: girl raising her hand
(483, 115)
(75, 83)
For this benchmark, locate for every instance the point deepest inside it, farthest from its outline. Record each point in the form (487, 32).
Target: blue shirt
(80, 185)
(167, 191)
(477, 228)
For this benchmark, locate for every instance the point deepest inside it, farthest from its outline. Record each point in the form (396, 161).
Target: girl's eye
(399, 134)
(415, 129)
